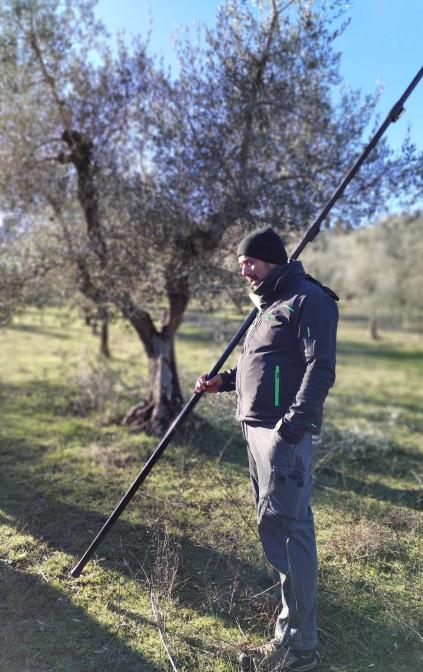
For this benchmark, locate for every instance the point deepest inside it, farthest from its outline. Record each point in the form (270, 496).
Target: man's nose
(245, 271)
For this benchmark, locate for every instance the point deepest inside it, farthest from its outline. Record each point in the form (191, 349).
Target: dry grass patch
(365, 539)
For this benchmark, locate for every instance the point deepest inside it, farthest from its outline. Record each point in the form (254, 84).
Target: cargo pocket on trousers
(286, 494)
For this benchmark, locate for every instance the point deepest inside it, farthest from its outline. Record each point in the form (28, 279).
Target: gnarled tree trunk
(164, 400)
(374, 328)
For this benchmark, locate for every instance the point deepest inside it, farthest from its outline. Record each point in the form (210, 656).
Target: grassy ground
(184, 558)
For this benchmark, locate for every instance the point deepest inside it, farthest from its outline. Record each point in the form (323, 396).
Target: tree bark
(373, 326)
(104, 337)
(164, 399)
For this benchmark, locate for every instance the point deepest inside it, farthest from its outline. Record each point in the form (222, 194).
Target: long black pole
(393, 115)
(76, 571)
(309, 236)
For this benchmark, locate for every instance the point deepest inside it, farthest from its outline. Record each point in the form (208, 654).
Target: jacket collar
(279, 279)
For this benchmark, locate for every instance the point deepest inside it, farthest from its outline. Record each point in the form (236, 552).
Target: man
(282, 378)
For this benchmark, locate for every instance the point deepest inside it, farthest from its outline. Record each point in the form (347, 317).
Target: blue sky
(382, 45)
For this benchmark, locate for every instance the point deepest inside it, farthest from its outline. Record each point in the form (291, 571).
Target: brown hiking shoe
(276, 657)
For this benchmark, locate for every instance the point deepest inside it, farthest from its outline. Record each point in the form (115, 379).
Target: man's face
(254, 270)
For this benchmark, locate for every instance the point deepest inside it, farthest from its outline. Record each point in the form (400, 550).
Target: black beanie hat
(264, 244)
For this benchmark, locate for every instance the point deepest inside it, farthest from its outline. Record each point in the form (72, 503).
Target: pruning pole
(310, 234)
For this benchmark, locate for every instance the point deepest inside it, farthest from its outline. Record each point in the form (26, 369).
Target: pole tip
(75, 572)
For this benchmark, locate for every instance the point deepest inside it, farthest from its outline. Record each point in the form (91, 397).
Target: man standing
(284, 372)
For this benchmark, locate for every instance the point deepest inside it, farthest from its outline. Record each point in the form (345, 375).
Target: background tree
(150, 182)
(29, 268)
(377, 269)
(98, 318)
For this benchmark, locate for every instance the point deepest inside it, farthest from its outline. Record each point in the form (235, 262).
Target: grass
(184, 558)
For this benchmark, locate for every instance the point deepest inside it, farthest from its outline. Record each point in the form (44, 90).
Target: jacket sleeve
(228, 380)
(315, 323)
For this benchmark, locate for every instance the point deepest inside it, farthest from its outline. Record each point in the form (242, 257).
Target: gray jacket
(287, 363)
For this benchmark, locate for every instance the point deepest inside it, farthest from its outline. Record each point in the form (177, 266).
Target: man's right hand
(212, 385)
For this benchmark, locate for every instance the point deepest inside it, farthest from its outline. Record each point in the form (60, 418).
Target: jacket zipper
(277, 384)
(247, 340)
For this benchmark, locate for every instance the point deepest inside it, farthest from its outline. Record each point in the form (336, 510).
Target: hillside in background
(376, 270)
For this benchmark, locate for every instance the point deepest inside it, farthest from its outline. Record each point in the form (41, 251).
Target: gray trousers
(282, 484)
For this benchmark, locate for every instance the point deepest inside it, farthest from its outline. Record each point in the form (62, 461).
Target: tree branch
(49, 79)
(178, 296)
(250, 112)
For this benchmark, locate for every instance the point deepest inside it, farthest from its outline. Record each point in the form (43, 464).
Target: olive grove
(139, 185)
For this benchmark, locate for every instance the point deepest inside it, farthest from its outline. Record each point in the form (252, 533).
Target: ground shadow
(338, 479)
(378, 350)
(39, 330)
(365, 469)
(213, 439)
(42, 631)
